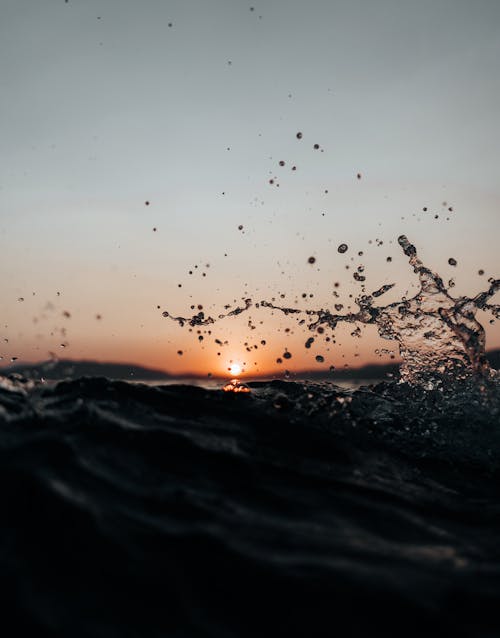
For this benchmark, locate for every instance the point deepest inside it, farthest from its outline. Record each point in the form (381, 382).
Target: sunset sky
(119, 117)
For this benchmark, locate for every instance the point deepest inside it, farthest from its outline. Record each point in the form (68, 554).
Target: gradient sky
(105, 107)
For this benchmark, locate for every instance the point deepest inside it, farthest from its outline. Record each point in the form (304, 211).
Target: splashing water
(438, 335)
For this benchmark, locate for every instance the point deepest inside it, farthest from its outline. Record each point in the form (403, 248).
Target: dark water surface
(298, 509)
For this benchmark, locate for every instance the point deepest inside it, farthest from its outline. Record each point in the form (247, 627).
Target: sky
(137, 137)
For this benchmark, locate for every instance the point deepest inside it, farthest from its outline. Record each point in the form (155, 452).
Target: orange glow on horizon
(236, 386)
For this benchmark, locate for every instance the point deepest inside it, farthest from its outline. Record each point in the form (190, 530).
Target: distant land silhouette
(68, 369)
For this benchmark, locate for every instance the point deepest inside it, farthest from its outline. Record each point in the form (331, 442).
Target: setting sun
(235, 369)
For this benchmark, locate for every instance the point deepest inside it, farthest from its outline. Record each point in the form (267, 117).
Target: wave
(295, 508)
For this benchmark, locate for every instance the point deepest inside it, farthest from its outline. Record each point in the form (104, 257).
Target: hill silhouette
(68, 369)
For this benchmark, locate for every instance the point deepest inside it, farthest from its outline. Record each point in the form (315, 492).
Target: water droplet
(452, 262)
(311, 260)
(319, 358)
(309, 342)
(343, 248)
(299, 135)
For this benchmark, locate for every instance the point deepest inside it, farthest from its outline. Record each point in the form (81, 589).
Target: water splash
(439, 336)
(436, 333)
(236, 386)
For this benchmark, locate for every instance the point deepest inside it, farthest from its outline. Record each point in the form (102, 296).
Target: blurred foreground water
(297, 509)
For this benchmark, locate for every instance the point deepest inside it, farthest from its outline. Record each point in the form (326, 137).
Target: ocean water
(295, 509)
(275, 508)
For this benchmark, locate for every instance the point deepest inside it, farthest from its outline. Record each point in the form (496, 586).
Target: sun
(235, 369)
